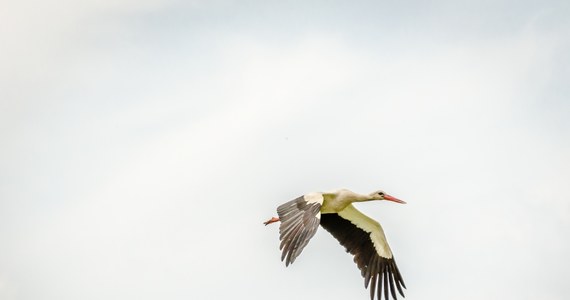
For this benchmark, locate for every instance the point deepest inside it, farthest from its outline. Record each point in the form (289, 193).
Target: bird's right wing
(300, 219)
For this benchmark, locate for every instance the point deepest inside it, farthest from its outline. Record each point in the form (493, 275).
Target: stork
(360, 235)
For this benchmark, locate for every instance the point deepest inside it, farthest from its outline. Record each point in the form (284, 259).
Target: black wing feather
(299, 223)
(378, 272)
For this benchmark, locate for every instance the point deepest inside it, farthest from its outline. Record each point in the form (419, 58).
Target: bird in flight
(362, 236)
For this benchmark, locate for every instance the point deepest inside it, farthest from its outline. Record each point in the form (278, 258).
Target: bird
(361, 236)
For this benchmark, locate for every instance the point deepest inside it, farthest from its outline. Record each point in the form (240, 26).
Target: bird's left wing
(300, 219)
(364, 238)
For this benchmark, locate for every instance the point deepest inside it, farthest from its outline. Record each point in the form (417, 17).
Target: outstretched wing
(364, 238)
(300, 220)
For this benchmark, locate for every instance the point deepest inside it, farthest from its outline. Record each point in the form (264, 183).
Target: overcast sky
(145, 142)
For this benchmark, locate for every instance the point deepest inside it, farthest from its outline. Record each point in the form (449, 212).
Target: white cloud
(149, 178)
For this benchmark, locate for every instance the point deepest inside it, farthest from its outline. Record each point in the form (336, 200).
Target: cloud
(149, 167)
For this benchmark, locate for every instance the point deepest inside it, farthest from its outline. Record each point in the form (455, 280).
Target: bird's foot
(272, 220)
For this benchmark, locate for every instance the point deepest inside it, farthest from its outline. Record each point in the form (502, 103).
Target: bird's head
(380, 195)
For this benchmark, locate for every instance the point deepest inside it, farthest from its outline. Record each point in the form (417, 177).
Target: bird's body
(360, 235)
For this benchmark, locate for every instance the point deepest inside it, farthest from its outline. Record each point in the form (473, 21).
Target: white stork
(360, 235)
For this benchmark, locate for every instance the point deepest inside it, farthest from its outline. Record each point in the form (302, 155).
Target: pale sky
(145, 142)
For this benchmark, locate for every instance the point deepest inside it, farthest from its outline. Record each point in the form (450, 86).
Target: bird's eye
(381, 194)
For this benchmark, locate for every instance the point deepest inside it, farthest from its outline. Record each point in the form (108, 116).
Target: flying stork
(360, 235)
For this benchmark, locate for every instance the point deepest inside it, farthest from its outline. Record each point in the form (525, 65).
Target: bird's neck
(350, 196)
(338, 200)
(361, 198)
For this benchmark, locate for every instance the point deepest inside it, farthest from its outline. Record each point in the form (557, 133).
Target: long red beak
(394, 199)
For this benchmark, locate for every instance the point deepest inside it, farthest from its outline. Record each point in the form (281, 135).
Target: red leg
(272, 220)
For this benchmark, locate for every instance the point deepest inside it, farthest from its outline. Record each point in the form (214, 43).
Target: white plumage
(362, 236)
